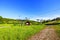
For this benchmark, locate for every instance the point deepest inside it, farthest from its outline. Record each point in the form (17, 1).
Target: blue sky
(33, 9)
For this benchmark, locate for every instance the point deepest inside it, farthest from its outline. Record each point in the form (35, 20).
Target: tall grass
(19, 32)
(57, 29)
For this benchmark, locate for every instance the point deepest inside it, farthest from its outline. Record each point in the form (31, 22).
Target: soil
(46, 34)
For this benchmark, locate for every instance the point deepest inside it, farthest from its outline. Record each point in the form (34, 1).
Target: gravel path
(46, 34)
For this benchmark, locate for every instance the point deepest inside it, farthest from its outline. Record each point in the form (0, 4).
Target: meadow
(57, 29)
(17, 32)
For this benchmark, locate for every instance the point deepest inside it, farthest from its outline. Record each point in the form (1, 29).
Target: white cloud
(46, 17)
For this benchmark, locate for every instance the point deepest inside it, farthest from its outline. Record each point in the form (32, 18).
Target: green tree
(1, 19)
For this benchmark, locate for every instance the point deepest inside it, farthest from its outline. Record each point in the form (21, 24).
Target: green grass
(57, 29)
(11, 32)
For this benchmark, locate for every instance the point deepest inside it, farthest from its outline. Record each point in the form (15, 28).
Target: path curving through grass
(47, 34)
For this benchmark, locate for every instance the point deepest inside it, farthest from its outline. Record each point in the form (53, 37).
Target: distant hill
(15, 21)
(53, 21)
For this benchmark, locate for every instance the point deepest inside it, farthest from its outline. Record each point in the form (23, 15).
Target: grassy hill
(16, 21)
(55, 21)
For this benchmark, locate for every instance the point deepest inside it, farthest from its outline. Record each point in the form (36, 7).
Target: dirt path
(46, 34)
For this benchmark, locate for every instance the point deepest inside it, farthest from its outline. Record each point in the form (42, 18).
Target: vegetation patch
(57, 29)
(19, 32)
